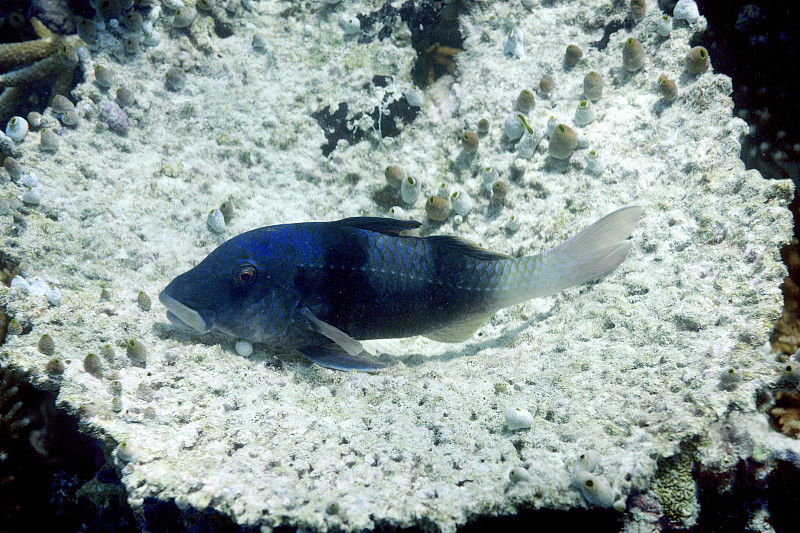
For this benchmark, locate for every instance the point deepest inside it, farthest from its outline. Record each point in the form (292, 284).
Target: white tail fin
(595, 251)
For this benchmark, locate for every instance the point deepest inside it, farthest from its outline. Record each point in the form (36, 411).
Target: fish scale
(320, 287)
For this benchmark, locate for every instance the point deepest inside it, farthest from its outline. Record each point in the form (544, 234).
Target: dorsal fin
(463, 246)
(386, 226)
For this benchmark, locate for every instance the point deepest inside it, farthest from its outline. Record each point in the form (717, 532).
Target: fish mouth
(180, 315)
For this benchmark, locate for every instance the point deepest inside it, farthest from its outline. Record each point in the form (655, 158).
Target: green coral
(677, 489)
(102, 495)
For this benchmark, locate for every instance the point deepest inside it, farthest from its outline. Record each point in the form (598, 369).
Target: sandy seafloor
(628, 368)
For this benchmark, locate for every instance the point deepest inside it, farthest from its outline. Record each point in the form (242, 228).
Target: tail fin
(595, 251)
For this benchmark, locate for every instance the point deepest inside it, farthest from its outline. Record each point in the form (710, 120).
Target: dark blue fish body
(321, 287)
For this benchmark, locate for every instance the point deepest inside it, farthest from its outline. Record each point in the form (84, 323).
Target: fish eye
(245, 274)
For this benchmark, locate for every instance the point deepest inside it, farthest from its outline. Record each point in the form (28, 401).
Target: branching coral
(10, 420)
(435, 59)
(785, 338)
(787, 412)
(13, 55)
(12, 423)
(22, 64)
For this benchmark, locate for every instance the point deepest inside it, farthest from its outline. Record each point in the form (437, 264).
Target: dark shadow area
(435, 34)
(385, 120)
(47, 467)
(728, 500)
(612, 27)
(434, 29)
(594, 520)
(436, 37)
(756, 44)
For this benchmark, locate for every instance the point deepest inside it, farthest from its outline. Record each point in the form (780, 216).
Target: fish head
(231, 292)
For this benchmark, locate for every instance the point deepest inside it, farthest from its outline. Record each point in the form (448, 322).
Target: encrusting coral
(28, 62)
(677, 489)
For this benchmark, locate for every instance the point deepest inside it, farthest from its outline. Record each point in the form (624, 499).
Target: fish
(321, 287)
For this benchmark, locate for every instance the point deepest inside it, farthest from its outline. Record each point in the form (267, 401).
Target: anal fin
(333, 356)
(459, 332)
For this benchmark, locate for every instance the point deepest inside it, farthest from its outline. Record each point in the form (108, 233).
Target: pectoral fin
(333, 356)
(348, 343)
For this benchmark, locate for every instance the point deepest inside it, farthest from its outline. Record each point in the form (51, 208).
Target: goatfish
(320, 287)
